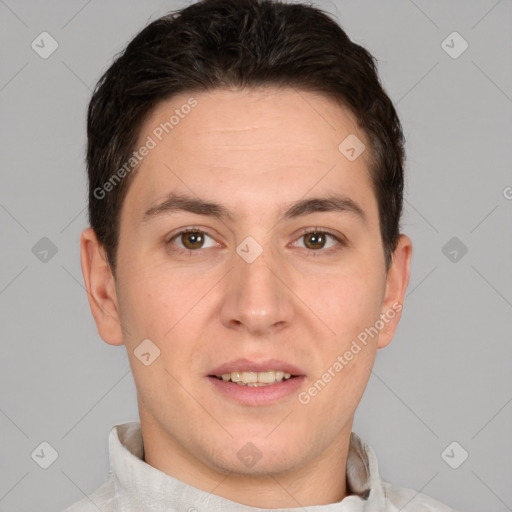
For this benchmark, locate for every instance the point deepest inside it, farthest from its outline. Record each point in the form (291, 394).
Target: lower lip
(262, 395)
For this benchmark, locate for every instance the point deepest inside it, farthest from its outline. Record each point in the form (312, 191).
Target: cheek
(152, 310)
(149, 303)
(348, 301)
(349, 304)
(169, 310)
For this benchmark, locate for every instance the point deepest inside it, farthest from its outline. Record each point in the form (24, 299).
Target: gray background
(446, 376)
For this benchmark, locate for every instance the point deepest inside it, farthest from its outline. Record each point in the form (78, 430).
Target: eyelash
(309, 252)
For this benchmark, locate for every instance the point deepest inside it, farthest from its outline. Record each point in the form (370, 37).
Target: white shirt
(132, 485)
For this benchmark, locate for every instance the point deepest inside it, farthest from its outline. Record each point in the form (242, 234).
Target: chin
(259, 455)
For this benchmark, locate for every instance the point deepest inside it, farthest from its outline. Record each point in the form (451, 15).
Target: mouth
(256, 383)
(255, 379)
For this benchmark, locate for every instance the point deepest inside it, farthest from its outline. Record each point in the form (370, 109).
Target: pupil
(195, 238)
(316, 238)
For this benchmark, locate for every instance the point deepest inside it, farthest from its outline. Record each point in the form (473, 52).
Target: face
(250, 243)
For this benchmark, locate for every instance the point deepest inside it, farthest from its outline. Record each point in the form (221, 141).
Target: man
(246, 181)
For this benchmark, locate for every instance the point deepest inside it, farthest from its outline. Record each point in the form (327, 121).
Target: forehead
(246, 118)
(251, 146)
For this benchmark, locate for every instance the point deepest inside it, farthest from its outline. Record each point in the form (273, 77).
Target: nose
(257, 298)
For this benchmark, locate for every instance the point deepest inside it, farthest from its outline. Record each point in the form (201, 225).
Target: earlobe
(100, 286)
(397, 281)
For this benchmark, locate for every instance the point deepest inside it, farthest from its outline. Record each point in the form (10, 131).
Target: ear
(396, 285)
(100, 286)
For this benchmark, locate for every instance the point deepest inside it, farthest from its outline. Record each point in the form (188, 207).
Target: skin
(254, 151)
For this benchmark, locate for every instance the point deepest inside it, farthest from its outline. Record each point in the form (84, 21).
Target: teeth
(249, 377)
(256, 379)
(235, 376)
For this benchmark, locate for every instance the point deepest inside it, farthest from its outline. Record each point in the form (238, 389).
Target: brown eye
(315, 240)
(320, 243)
(192, 240)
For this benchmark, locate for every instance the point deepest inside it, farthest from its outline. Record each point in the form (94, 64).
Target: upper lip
(255, 366)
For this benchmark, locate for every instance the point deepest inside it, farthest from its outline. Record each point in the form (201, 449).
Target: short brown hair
(215, 44)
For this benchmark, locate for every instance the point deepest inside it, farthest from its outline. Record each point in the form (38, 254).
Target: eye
(315, 239)
(190, 239)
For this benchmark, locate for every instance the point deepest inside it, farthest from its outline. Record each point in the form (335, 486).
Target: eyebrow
(184, 203)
